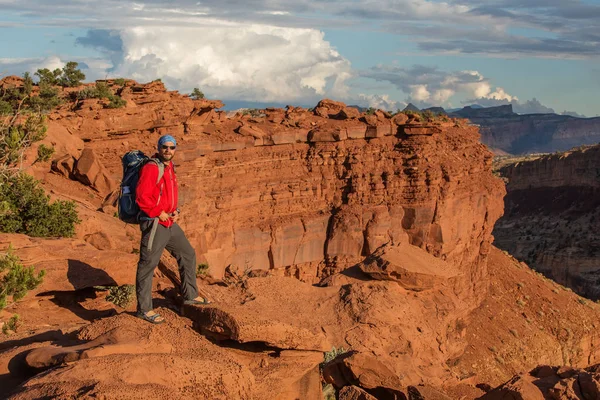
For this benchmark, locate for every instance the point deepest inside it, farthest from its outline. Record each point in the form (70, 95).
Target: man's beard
(166, 157)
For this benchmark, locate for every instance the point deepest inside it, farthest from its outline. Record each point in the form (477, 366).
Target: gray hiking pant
(173, 239)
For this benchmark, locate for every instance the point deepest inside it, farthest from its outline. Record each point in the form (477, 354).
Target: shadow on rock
(71, 300)
(81, 275)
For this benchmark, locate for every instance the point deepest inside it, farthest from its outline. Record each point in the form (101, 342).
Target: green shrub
(47, 100)
(47, 77)
(101, 91)
(44, 153)
(329, 392)
(370, 111)
(71, 76)
(15, 138)
(116, 102)
(202, 270)
(121, 295)
(27, 84)
(16, 279)
(120, 81)
(5, 108)
(428, 115)
(328, 356)
(11, 324)
(27, 209)
(197, 94)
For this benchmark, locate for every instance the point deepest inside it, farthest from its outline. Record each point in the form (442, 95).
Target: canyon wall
(505, 131)
(305, 193)
(552, 217)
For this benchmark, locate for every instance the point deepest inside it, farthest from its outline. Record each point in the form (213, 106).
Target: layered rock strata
(506, 131)
(306, 193)
(552, 217)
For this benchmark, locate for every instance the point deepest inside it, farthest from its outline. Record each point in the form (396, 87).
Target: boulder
(365, 371)
(354, 393)
(90, 171)
(400, 119)
(64, 165)
(518, 388)
(326, 108)
(410, 266)
(346, 113)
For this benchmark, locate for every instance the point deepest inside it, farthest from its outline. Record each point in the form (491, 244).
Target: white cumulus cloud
(246, 62)
(382, 102)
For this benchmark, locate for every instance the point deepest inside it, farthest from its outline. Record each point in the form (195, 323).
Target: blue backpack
(133, 161)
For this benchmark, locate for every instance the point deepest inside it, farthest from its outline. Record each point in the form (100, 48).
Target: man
(160, 231)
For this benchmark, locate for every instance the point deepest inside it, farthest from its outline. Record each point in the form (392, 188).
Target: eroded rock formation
(508, 132)
(552, 217)
(321, 190)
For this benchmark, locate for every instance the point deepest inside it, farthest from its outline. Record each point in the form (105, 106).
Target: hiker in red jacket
(160, 231)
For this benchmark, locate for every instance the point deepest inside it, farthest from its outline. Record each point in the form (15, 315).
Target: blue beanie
(166, 138)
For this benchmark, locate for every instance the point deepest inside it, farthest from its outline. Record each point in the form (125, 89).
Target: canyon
(323, 228)
(505, 131)
(551, 220)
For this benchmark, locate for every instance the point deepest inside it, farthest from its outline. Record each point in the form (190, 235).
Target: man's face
(167, 151)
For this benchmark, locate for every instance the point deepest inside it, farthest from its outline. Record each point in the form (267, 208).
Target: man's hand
(175, 216)
(164, 216)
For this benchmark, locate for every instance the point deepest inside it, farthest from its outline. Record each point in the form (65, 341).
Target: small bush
(328, 356)
(16, 279)
(5, 108)
(27, 84)
(47, 77)
(101, 91)
(202, 270)
(370, 111)
(11, 325)
(428, 115)
(329, 392)
(120, 81)
(197, 94)
(47, 99)
(44, 153)
(15, 138)
(253, 112)
(116, 102)
(71, 76)
(27, 209)
(121, 295)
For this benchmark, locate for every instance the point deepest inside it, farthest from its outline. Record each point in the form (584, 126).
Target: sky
(538, 55)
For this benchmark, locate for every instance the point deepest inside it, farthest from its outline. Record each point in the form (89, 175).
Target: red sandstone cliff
(301, 192)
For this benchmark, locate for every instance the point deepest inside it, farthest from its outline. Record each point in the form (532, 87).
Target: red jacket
(154, 198)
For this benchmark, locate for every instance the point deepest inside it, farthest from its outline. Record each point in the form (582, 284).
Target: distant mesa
(435, 110)
(487, 112)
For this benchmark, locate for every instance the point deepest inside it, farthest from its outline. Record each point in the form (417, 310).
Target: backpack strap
(161, 173)
(161, 168)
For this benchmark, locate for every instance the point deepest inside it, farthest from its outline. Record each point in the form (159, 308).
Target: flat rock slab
(412, 267)
(72, 264)
(283, 313)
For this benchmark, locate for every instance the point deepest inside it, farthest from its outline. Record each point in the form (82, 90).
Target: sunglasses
(165, 147)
